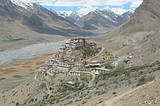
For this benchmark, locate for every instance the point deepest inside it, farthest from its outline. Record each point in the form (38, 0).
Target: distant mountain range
(102, 19)
(105, 18)
(19, 17)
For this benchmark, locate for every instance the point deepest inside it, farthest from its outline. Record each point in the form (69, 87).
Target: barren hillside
(139, 35)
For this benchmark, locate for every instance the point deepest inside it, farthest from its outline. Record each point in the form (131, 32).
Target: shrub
(57, 101)
(103, 92)
(68, 97)
(32, 100)
(114, 93)
(101, 101)
(76, 100)
(17, 103)
(143, 80)
(50, 88)
(70, 102)
(43, 85)
(36, 99)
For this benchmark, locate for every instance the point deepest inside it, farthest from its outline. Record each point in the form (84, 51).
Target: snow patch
(22, 4)
(120, 11)
(107, 17)
(66, 13)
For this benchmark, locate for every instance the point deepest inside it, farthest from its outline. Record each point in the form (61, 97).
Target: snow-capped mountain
(120, 11)
(66, 13)
(62, 13)
(32, 17)
(75, 16)
(22, 4)
(104, 18)
(69, 15)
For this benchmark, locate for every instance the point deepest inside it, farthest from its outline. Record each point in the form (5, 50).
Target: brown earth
(21, 68)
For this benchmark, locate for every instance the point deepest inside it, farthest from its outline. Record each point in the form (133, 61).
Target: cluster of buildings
(68, 57)
(65, 59)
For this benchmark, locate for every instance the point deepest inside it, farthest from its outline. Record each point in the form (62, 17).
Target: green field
(13, 40)
(17, 76)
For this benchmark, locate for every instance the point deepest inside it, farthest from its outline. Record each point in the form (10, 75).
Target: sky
(85, 5)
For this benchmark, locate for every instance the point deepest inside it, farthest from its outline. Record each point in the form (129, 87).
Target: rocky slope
(102, 19)
(140, 34)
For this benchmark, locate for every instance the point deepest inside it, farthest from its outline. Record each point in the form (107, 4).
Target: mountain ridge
(76, 15)
(102, 19)
(139, 34)
(36, 18)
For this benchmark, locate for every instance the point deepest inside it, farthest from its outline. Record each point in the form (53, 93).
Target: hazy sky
(88, 5)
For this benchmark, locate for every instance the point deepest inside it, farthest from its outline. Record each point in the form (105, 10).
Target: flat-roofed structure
(99, 70)
(62, 68)
(74, 73)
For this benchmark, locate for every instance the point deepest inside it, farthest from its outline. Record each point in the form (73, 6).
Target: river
(30, 51)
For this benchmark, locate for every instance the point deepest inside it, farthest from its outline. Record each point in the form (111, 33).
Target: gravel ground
(30, 51)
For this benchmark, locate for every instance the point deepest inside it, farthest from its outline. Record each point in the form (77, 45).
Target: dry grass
(39, 63)
(10, 70)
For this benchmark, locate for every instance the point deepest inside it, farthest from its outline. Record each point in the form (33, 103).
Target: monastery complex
(76, 57)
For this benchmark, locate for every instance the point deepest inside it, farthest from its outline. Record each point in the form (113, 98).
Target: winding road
(42, 82)
(141, 60)
(102, 52)
(92, 80)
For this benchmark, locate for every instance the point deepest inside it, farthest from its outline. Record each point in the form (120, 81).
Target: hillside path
(35, 78)
(91, 81)
(102, 52)
(141, 60)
